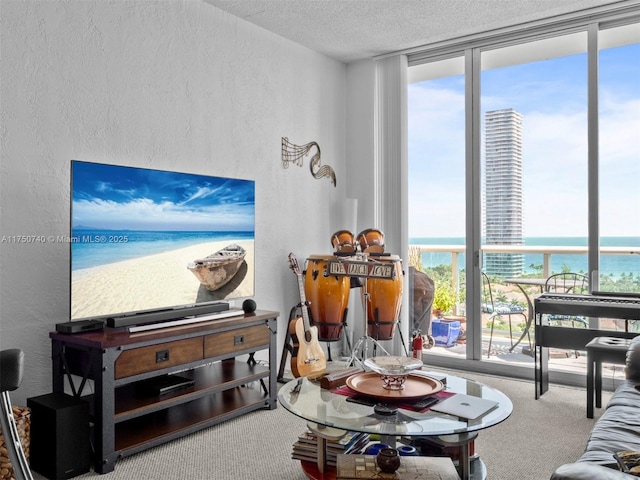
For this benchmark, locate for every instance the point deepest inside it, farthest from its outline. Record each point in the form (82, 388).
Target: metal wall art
(292, 153)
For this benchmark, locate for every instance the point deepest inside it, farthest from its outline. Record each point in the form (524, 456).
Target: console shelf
(179, 420)
(128, 418)
(131, 402)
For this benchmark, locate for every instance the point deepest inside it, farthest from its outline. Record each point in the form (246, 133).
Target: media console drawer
(235, 340)
(156, 357)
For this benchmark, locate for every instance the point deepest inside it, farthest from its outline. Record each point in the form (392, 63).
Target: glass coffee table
(331, 410)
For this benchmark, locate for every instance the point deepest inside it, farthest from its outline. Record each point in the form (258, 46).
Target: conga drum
(385, 298)
(328, 297)
(343, 242)
(371, 240)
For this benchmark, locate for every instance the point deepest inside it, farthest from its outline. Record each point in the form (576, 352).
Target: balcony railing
(545, 251)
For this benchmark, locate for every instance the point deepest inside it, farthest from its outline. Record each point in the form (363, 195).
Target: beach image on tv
(145, 239)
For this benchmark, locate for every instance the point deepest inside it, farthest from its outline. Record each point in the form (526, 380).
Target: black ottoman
(600, 350)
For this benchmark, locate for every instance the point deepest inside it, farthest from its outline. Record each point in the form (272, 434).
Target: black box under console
(60, 447)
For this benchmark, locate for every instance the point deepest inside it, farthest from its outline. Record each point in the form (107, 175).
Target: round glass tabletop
(306, 399)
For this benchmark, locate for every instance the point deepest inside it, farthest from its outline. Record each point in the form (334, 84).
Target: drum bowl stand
(362, 345)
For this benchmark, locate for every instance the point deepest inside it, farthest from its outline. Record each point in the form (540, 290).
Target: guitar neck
(303, 300)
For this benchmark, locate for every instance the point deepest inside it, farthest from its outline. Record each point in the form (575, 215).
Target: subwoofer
(60, 447)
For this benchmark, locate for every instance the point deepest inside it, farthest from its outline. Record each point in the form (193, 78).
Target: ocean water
(614, 265)
(92, 248)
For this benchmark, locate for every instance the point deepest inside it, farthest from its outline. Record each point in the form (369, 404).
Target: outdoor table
(521, 283)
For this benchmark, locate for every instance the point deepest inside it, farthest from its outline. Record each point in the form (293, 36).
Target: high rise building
(503, 190)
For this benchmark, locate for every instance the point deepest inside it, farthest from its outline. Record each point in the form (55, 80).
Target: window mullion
(473, 201)
(592, 166)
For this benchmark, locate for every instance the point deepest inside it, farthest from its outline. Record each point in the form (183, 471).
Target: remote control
(362, 400)
(424, 403)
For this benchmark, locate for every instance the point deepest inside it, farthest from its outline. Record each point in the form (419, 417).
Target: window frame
(471, 49)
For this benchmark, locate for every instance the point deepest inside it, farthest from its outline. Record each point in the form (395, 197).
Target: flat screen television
(147, 241)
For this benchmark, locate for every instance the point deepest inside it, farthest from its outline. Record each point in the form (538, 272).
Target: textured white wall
(175, 85)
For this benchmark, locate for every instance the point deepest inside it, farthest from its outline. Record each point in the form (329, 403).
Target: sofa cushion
(584, 471)
(617, 429)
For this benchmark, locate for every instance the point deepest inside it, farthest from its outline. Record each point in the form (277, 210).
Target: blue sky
(551, 95)
(118, 198)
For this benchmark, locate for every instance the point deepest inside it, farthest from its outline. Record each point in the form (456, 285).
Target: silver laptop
(465, 406)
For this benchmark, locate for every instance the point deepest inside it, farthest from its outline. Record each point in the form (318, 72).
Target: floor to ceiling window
(436, 178)
(534, 177)
(519, 109)
(619, 158)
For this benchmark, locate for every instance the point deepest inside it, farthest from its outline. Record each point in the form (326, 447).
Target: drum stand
(376, 344)
(363, 343)
(343, 330)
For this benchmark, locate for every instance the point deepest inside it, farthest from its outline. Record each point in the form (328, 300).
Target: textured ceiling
(350, 30)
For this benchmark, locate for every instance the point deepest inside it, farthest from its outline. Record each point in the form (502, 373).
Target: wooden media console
(128, 417)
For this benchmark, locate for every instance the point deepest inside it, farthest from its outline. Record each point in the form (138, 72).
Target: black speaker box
(60, 447)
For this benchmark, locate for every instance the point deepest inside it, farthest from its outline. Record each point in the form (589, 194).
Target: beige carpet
(539, 436)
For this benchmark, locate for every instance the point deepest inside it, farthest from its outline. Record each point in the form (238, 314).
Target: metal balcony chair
(497, 310)
(572, 283)
(11, 370)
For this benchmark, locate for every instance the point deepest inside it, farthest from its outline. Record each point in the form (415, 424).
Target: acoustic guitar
(307, 356)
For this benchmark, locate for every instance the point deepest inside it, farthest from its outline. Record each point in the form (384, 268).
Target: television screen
(145, 240)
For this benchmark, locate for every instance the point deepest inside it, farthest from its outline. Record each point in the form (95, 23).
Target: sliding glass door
(436, 150)
(505, 177)
(534, 178)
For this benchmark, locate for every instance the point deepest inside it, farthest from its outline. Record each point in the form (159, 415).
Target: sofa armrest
(588, 471)
(632, 368)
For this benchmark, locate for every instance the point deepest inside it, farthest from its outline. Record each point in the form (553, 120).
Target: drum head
(343, 242)
(371, 240)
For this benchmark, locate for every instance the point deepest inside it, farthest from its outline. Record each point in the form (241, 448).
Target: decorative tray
(415, 386)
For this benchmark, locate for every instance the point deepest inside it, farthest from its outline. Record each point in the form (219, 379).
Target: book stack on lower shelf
(306, 448)
(360, 467)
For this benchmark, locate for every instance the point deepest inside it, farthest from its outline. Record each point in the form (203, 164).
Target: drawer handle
(162, 356)
(238, 340)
